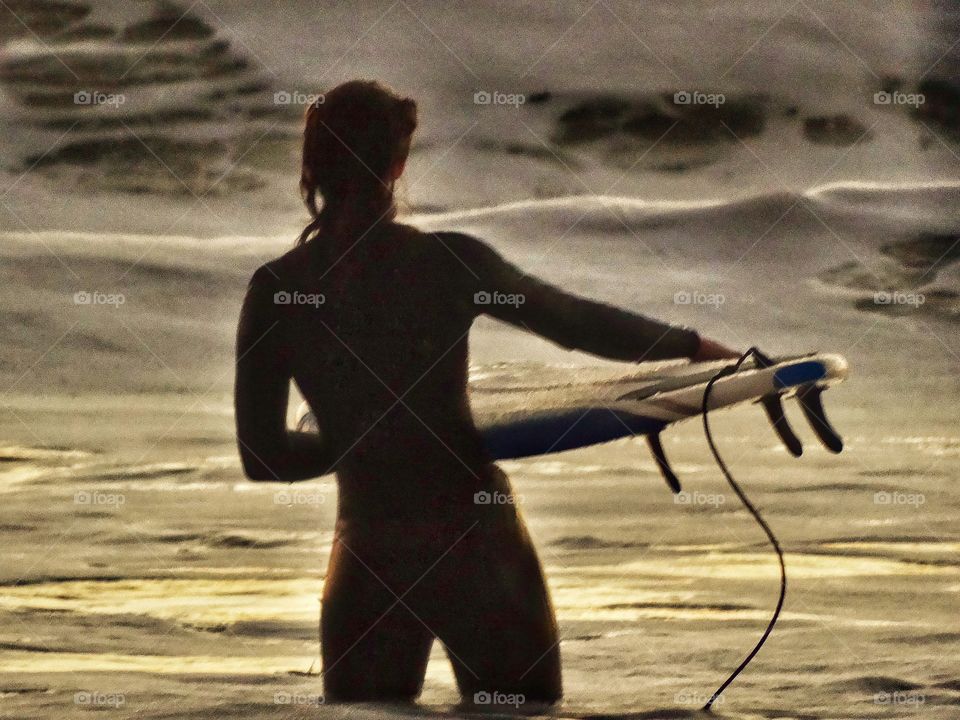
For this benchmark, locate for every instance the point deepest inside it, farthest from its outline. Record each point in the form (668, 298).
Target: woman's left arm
(268, 450)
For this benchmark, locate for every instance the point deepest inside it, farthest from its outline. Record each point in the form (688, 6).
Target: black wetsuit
(375, 336)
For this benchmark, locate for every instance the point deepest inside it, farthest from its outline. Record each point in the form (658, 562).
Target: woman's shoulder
(459, 248)
(280, 272)
(454, 244)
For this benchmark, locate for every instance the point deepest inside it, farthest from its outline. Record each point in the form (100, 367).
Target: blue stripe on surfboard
(799, 374)
(565, 430)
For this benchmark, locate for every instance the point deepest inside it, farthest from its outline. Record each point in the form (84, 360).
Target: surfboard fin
(773, 405)
(656, 448)
(812, 405)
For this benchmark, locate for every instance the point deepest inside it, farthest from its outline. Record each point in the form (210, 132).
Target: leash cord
(729, 370)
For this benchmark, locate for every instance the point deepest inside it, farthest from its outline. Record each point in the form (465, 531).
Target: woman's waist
(395, 447)
(427, 497)
(418, 462)
(431, 528)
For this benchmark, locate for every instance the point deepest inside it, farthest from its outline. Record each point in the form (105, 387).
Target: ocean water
(142, 576)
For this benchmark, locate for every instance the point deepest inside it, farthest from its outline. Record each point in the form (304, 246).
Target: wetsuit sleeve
(503, 291)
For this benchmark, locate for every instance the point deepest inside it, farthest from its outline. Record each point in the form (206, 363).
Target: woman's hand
(712, 350)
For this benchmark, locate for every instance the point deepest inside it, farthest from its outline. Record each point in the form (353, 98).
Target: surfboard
(529, 419)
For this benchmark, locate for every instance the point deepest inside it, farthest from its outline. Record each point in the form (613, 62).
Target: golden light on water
(30, 662)
(659, 588)
(763, 565)
(598, 592)
(197, 601)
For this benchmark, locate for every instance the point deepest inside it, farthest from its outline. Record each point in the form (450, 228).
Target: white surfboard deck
(598, 405)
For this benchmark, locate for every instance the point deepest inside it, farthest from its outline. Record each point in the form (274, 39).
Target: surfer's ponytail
(353, 138)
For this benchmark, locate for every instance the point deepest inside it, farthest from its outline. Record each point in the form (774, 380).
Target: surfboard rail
(648, 401)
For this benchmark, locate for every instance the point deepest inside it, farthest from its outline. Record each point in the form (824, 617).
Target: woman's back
(375, 334)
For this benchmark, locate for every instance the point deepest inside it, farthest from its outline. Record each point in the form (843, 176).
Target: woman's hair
(353, 137)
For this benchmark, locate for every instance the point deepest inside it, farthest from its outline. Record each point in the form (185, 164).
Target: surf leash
(763, 361)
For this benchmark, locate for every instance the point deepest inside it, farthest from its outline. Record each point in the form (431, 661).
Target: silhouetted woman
(370, 318)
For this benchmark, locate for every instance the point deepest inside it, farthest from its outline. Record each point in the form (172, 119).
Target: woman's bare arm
(268, 450)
